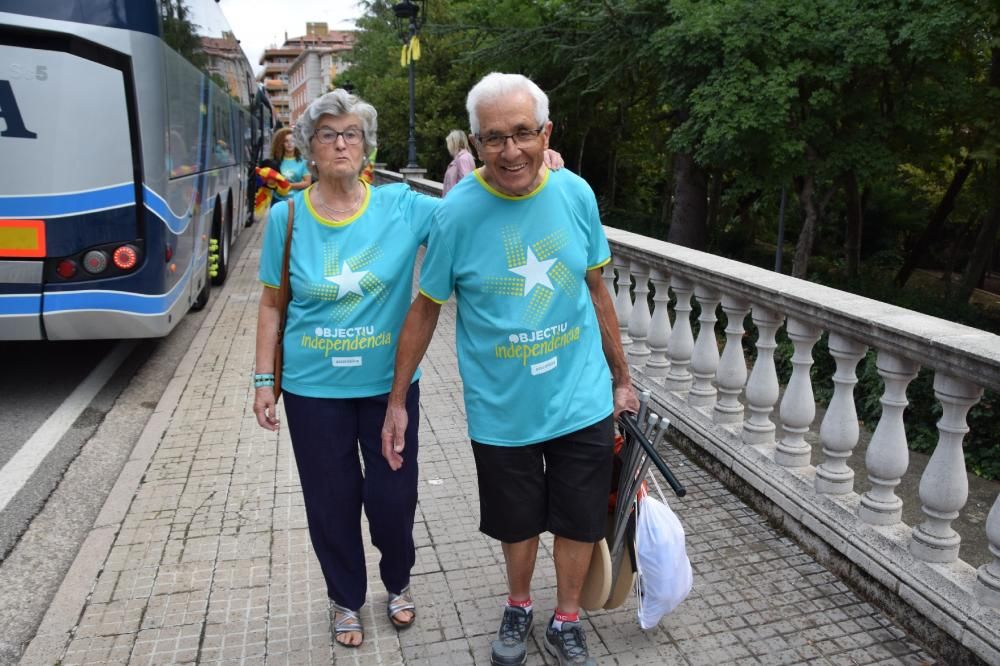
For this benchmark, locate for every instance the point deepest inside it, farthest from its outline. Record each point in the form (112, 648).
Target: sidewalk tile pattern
(213, 563)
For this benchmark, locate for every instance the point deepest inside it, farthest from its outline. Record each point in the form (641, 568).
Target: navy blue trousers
(327, 434)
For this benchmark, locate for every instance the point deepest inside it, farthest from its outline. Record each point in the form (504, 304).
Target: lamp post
(407, 23)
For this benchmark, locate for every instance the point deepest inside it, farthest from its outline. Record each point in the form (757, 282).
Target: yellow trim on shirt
(492, 190)
(428, 296)
(268, 284)
(600, 265)
(339, 223)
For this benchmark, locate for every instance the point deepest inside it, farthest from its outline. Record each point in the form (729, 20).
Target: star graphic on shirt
(534, 272)
(348, 282)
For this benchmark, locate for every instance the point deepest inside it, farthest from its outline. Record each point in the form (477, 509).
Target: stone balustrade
(732, 414)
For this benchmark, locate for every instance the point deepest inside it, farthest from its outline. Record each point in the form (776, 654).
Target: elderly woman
(351, 266)
(290, 162)
(462, 161)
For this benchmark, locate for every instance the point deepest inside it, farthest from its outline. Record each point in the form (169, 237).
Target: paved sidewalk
(202, 553)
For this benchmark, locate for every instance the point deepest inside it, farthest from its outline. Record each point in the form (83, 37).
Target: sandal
(349, 622)
(399, 603)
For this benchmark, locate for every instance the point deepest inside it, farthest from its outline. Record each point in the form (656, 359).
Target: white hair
(496, 85)
(336, 103)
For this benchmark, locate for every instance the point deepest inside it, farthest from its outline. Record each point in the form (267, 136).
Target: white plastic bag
(664, 570)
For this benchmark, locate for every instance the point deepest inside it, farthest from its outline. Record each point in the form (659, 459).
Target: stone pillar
(944, 487)
(839, 431)
(888, 455)
(762, 387)
(681, 339)
(608, 277)
(412, 173)
(798, 405)
(638, 322)
(623, 302)
(988, 577)
(705, 357)
(658, 364)
(732, 373)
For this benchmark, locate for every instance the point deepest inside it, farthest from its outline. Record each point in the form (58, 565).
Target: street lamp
(407, 24)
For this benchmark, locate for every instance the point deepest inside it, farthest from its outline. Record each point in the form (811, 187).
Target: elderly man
(539, 354)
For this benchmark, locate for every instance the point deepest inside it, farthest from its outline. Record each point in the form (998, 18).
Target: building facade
(303, 67)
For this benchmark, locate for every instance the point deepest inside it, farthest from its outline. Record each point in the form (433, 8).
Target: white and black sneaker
(511, 645)
(568, 644)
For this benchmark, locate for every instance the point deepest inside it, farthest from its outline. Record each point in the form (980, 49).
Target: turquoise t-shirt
(295, 170)
(529, 346)
(352, 283)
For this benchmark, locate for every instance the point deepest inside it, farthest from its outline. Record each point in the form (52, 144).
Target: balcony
(800, 464)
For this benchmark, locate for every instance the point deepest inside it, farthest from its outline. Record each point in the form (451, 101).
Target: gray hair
(456, 141)
(495, 85)
(336, 103)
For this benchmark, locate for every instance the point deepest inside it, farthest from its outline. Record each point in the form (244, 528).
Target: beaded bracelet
(263, 379)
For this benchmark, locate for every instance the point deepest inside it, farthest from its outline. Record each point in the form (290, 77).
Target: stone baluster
(623, 302)
(762, 387)
(732, 374)
(840, 430)
(988, 577)
(681, 339)
(638, 322)
(888, 455)
(798, 406)
(608, 277)
(658, 364)
(944, 487)
(705, 357)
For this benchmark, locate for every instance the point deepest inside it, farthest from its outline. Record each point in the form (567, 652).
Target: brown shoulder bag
(284, 297)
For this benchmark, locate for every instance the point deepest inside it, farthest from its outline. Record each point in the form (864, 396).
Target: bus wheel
(222, 235)
(202, 300)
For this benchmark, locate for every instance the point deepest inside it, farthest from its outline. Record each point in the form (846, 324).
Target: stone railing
(731, 414)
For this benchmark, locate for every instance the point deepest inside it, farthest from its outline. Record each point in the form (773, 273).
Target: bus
(129, 132)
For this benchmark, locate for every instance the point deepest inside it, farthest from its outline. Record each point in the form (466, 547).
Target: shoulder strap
(285, 286)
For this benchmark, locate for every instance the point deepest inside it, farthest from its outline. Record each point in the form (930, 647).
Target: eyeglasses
(493, 143)
(352, 136)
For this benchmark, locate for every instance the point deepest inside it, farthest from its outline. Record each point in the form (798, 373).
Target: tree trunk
(935, 224)
(713, 199)
(579, 153)
(855, 225)
(805, 189)
(668, 199)
(688, 224)
(983, 249)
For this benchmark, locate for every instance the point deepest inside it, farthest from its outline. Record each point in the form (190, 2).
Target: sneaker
(568, 644)
(511, 646)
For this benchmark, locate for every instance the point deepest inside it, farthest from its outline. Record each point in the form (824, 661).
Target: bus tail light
(126, 257)
(95, 261)
(66, 269)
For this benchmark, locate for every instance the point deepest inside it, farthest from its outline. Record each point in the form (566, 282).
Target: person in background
(291, 164)
(462, 161)
(540, 357)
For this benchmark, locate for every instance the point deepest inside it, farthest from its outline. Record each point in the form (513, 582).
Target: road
(44, 520)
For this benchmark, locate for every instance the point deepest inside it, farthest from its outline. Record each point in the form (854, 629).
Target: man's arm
(416, 335)
(625, 397)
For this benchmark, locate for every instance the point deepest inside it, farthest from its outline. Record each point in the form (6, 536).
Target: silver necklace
(338, 211)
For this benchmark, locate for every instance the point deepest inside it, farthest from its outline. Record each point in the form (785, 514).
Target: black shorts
(560, 485)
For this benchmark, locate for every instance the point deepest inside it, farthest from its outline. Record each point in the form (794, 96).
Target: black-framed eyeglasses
(495, 142)
(352, 136)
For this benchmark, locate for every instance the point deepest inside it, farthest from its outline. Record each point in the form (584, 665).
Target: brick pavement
(207, 557)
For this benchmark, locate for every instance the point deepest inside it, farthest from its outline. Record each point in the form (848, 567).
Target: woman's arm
(267, 335)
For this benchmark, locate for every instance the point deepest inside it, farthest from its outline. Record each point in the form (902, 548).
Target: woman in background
(462, 161)
(290, 162)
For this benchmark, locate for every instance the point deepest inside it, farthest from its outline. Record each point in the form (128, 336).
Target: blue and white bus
(128, 134)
